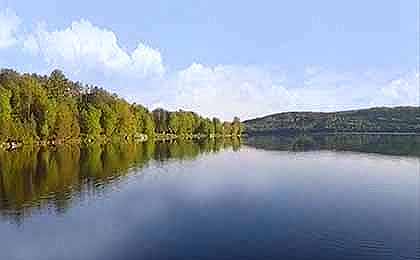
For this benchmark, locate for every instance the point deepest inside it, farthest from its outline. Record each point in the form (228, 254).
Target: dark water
(284, 197)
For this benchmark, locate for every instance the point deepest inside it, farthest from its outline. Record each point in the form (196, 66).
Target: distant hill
(380, 119)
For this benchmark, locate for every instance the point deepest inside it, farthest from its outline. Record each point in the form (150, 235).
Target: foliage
(90, 118)
(382, 119)
(53, 108)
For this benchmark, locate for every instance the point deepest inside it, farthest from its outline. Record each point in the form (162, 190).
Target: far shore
(289, 132)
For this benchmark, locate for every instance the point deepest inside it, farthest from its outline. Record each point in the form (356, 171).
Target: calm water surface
(306, 197)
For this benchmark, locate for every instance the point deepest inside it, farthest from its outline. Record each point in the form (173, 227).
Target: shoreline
(281, 132)
(11, 146)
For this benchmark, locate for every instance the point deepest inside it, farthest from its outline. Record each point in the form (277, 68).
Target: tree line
(377, 119)
(52, 108)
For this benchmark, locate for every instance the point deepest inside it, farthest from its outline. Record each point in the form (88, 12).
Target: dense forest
(381, 119)
(54, 109)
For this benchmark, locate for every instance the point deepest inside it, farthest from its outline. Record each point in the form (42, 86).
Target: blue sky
(224, 58)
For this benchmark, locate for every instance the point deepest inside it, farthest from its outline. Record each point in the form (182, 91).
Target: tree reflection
(34, 179)
(390, 144)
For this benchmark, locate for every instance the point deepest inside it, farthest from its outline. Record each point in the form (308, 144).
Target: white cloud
(87, 52)
(226, 91)
(84, 47)
(245, 91)
(401, 91)
(9, 24)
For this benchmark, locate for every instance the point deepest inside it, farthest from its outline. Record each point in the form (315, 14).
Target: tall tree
(90, 118)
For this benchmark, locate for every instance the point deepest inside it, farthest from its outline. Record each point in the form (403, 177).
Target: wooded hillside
(381, 119)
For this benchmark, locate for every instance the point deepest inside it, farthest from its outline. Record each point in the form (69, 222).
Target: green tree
(149, 126)
(34, 108)
(5, 113)
(236, 127)
(218, 127)
(66, 123)
(90, 121)
(108, 121)
(174, 123)
(126, 122)
(161, 117)
(227, 128)
(207, 127)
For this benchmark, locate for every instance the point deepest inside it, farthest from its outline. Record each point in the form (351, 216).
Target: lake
(265, 197)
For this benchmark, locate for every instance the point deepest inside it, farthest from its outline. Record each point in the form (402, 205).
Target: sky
(224, 58)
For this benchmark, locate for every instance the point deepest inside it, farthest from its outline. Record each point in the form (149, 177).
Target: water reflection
(390, 144)
(189, 201)
(38, 179)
